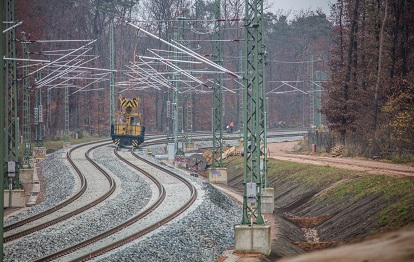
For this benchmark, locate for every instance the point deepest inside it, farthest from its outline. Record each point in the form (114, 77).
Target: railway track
(155, 221)
(50, 217)
(84, 250)
(19, 229)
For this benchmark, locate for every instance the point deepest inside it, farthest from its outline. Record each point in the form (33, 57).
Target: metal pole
(176, 101)
(217, 93)
(265, 160)
(170, 112)
(263, 100)
(311, 94)
(253, 75)
(179, 89)
(11, 95)
(26, 107)
(240, 95)
(66, 114)
(112, 75)
(48, 109)
(190, 107)
(38, 114)
(2, 135)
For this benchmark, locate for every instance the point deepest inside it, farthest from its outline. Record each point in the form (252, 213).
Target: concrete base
(170, 152)
(268, 200)
(26, 175)
(190, 146)
(217, 175)
(180, 147)
(36, 187)
(17, 198)
(161, 157)
(180, 161)
(39, 152)
(252, 239)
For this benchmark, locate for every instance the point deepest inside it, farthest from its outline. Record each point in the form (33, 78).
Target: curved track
(50, 216)
(117, 241)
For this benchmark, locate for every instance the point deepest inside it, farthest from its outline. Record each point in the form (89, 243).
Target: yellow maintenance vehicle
(127, 129)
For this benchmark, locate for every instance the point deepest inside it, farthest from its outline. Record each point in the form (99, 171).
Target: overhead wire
(169, 20)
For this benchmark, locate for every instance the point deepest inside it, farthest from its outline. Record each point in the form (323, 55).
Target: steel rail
(153, 227)
(148, 210)
(61, 205)
(112, 187)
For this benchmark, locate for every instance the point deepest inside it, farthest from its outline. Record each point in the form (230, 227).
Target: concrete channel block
(17, 196)
(268, 200)
(26, 175)
(253, 239)
(217, 176)
(35, 188)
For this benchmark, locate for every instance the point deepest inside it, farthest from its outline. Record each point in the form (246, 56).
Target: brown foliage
(351, 104)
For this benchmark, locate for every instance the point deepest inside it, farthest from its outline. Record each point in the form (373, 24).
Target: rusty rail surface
(67, 202)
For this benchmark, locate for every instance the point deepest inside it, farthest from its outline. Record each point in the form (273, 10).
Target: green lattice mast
(252, 119)
(217, 92)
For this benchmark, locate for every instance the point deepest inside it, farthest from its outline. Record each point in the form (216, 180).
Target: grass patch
(313, 175)
(234, 167)
(386, 187)
(398, 193)
(402, 158)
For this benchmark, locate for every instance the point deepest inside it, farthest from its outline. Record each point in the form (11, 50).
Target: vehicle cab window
(121, 120)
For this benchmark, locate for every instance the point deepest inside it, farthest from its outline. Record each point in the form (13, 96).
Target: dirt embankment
(321, 207)
(286, 151)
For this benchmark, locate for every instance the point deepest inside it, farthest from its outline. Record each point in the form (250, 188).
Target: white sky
(297, 5)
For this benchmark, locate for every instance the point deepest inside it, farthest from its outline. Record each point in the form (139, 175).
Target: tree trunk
(377, 85)
(349, 69)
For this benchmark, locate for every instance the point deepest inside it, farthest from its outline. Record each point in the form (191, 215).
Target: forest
(347, 74)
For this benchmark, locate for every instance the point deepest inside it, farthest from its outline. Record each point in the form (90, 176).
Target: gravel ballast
(201, 235)
(133, 197)
(59, 183)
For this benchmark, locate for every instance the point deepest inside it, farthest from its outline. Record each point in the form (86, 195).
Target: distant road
(285, 151)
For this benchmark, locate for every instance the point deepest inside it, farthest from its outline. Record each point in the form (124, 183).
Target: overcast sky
(297, 5)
